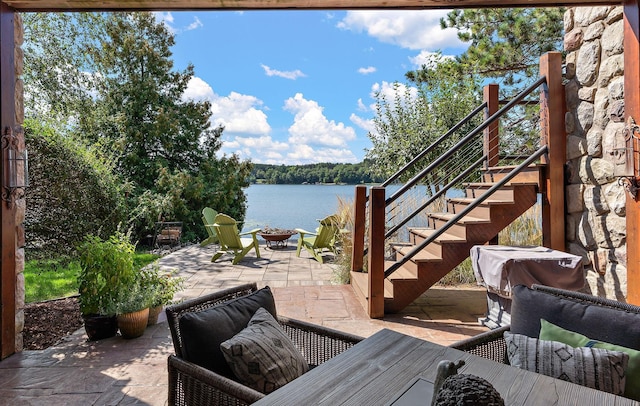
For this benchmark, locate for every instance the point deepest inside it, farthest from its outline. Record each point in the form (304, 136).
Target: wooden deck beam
(632, 109)
(168, 5)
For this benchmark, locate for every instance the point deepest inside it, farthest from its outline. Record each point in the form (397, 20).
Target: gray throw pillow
(595, 368)
(203, 332)
(262, 356)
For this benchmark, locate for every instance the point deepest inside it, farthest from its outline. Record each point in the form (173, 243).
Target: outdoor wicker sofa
(603, 321)
(192, 384)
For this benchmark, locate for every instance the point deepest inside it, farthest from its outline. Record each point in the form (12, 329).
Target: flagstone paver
(117, 371)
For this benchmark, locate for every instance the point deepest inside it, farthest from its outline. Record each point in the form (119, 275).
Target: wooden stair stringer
(454, 250)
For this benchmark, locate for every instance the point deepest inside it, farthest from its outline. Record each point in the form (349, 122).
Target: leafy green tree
(58, 85)
(131, 110)
(418, 115)
(506, 42)
(146, 120)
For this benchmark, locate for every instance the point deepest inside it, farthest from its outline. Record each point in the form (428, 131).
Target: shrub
(72, 192)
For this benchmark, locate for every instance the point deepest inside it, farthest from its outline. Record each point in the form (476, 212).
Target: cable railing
(460, 166)
(437, 233)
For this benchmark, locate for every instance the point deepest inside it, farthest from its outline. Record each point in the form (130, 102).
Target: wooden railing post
(552, 134)
(357, 242)
(491, 137)
(376, 252)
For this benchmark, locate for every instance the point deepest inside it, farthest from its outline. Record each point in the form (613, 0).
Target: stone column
(20, 202)
(596, 227)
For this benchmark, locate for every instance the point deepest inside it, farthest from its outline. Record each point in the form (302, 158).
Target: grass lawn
(55, 278)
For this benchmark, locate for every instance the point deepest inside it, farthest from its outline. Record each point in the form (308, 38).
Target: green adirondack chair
(230, 239)
(208, 218)
(323, 239)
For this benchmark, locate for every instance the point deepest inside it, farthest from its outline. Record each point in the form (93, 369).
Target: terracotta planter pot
(133, 324)
(99, 326)
(154, 312)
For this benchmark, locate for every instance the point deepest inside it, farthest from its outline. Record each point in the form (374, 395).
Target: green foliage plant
(161, 285)
(106, 272)
(130, 300)
(342, 272)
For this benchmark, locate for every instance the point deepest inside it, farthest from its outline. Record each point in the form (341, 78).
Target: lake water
(293, 206)
(299, 206)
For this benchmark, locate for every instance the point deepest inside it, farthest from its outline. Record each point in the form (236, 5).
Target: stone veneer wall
(20, 204)
(596, 224)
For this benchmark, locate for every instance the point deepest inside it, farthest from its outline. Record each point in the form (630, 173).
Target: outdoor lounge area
(120, 371)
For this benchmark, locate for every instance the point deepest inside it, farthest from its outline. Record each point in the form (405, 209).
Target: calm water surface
(293, 206)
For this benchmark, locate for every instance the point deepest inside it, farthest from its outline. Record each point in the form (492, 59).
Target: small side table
(499, 267)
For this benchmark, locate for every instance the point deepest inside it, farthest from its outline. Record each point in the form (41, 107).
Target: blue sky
(296, 87)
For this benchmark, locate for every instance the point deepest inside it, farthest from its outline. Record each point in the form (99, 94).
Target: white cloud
(362, 106)
(312, 137)
(312, 127)
(365, 124)
(198, 90)
(167, 19)
(195, 24)
(389, 91)
(367, 70)
(304, 154)
(430, 59)
(293, 75)
(412, 29)
(240, 113)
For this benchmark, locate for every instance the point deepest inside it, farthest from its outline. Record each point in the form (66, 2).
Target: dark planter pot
(98, 326)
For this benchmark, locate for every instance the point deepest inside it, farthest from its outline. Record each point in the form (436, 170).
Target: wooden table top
(377, 369)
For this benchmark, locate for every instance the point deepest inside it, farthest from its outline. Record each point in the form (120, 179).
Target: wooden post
(552, 133)
(357, 241)
(632, 109)
(376, 252)
(7, 214)
(491, 137)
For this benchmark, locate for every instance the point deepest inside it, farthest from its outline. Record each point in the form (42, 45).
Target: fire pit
(276, 237)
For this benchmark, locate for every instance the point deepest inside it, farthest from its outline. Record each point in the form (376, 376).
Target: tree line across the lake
(350, 174)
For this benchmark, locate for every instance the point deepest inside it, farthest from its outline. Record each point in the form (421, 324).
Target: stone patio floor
(117, 371)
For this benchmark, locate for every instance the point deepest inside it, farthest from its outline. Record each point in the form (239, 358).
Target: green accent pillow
(549, 331)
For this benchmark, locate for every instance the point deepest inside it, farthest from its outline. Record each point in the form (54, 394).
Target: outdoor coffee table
(390, 368)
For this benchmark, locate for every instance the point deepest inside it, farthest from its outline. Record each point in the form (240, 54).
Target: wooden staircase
(449, 249)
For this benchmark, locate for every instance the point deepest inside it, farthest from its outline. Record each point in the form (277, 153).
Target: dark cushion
(203, 332)
(598, 322)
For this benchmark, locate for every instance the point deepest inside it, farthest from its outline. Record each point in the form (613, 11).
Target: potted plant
(162, 286)
(131, 307)
(105, 266)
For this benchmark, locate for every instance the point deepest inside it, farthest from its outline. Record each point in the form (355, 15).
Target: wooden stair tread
(487, 202)
(487, 185)
(421, 256)
(463, 220)
(403, 274)
(535, 166)
(443, 238)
